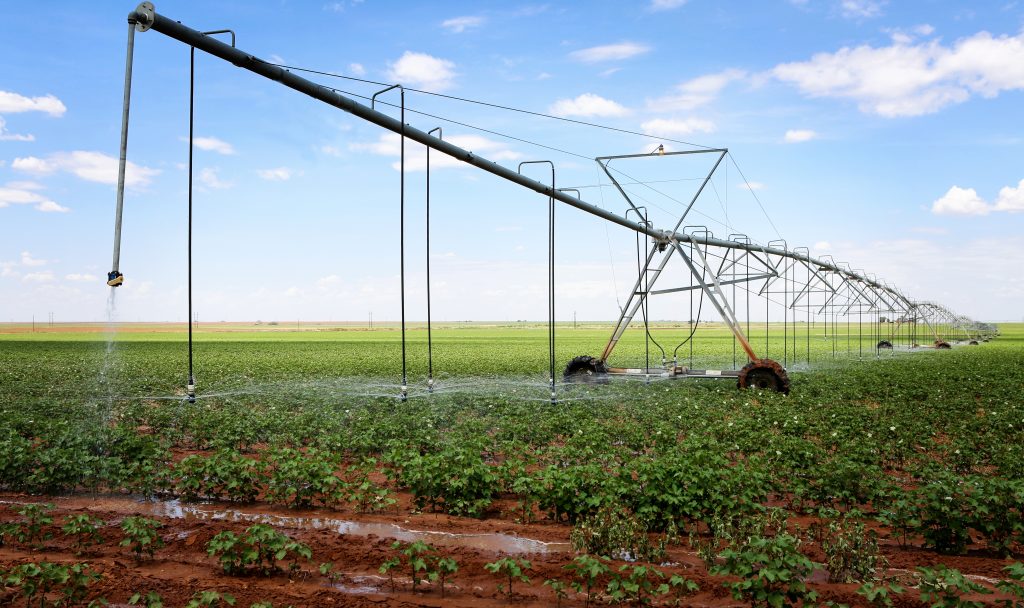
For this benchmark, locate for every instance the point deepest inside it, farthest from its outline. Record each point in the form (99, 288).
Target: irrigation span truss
(727, 273)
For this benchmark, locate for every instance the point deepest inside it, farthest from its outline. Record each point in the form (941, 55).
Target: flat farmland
(885, 476)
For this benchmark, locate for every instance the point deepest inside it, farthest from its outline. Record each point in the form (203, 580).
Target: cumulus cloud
(794, 136)
(752, 186)
(25, 193)
(389, 144)
(423, 71)
(209, 177)
(357, 69)
(87, 165)
(673, 127)
(587, 105)
(666, 5)
(6, 136)
(696, 92)
(860, 9)
(1011, 199)
(457, 25)
(960, 201)
(28, 260)
(212, 144)
(906, 79)
(11, 103)
(822, 246)
(279, 174)
(610, 52)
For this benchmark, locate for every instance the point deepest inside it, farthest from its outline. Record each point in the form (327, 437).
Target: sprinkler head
(190, 390)
(430, 385)
(114, 278)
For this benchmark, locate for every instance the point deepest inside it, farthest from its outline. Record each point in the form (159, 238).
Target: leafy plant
(1014, 586)
(210, 599)
(587, 571)
(851, 552)
(512, 569)
(37, 517)
(771, 571)
(943, 587)
(637, 583)
(257, 551)
(558, 588)
(152, 599)
(445, 567)
(224, 475)
(616, 534)
(302, 480)
(879, 595)
(40, 579)
(84, 530)
(142, 535)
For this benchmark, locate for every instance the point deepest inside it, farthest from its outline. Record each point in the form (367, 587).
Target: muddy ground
(357, 544)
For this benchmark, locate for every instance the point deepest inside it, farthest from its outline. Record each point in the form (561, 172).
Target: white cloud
(860, 9)
(11, 103)
(587, 105)
(81, 277)
(799, 135)
(23, 193)
(5, 136)
(822, 246)
(666, 5)
(330, 150)
(51, 207)
(1011, 199)
(672, 127)
(209, 177)
(28, 260)
(610, 52)
(389, 144)
(87, 165)
(752, 186)
(960, 201)
(357, 69)
(906, 79)
(695, 92)
(212, 144)
(457, 25)
(31, 164)
(423, 71)
(280, 174)
(38, 277)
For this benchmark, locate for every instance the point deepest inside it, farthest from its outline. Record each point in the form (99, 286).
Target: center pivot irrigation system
(728, 273)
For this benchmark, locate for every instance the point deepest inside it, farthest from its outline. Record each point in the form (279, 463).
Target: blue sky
(888, 135)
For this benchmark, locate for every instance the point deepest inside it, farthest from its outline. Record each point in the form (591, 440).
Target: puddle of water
(493, 542)
(353, 590)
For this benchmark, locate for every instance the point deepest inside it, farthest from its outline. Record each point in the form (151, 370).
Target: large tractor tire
(764, 374)
(584, 368)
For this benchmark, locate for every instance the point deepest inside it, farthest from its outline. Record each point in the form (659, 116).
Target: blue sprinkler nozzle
(114, 278)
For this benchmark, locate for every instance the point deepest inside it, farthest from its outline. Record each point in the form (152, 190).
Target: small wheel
(764, 374)
(584, 367)
(942, 345)
(884, 344)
